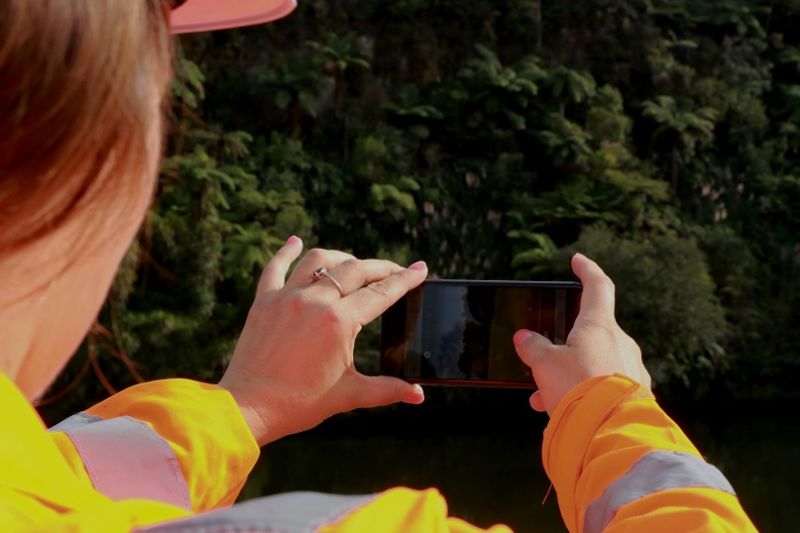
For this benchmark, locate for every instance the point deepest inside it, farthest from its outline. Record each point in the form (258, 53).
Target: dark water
(481, 450)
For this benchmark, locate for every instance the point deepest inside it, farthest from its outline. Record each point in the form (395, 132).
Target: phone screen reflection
(458, 332)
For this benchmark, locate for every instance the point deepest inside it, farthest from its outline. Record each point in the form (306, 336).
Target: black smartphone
(459, 332)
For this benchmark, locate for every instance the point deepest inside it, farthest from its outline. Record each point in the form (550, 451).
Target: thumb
(537, 402)
(376, 391)
(531, 346)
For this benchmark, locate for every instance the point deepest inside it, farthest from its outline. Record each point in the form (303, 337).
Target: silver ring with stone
(322, 272)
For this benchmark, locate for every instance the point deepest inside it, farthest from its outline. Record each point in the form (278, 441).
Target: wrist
(576, 418)
(261, 424)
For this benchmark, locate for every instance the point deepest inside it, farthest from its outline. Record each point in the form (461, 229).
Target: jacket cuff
(575, 421)
(204, 427)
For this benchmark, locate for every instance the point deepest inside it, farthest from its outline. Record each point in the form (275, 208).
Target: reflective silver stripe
(126, 459)
(75, 421)
(293, 512)
(654, 472)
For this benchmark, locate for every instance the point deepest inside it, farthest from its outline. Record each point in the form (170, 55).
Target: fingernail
(521, 336)
(292, 239)
(419, 265)
(419, 393)
(578, 254)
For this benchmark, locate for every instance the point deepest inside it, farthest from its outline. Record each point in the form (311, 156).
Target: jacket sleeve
(177, 441)
(619, 463)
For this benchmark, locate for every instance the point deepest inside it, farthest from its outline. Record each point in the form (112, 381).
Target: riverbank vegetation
(492, 139)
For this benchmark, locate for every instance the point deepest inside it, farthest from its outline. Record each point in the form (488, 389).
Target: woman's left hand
(293, 365)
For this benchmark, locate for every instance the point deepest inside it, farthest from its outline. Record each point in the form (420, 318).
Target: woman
(82, 86)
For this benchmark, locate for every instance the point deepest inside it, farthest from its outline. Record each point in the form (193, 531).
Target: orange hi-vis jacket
(172, 455)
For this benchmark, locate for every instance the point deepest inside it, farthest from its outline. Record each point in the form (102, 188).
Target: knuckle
(380, 288)
(315, 254)
(387, 394)
(390, 395)
(405, 277)
(350, 262)
(331, 318)
(549, 350)
(601, 325)
(391, 265)
(298, 301)
(539, 349)
(609, 329)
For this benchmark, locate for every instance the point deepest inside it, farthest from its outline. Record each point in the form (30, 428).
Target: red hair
(76, 96)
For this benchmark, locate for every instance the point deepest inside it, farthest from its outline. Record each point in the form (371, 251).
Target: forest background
(491, 139)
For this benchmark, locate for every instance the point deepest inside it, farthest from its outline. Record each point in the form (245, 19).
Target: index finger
(369, 302)
(597, 300)
(314, 259)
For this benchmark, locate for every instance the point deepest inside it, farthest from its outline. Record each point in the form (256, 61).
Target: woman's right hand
(596, 346)
(293, 365)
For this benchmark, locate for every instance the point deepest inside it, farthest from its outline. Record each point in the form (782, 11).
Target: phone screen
(456, 332)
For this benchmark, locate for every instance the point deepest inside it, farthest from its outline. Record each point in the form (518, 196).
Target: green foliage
(570, 86)
(188, 83)
(488, 138)
(606, 120)
(690, 127)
